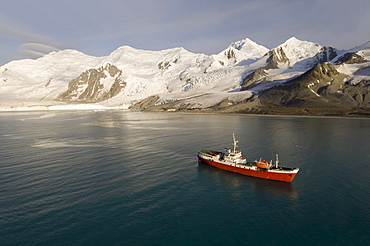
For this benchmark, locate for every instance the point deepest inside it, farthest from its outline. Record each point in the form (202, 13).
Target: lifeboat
(263, 164)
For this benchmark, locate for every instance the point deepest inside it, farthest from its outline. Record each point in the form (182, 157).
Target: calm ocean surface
(130, 178)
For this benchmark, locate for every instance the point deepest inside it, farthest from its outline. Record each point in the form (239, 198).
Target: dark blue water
(129, 178)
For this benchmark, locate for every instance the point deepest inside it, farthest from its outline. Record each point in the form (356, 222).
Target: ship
(232, 160)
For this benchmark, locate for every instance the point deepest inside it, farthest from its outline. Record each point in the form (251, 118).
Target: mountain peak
(247, 44)
(295, 42)
(293, 39)
(295, 50)
(241, 50)
(244, 42)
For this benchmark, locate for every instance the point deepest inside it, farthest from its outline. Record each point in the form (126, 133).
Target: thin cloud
(35, 45)
(36, 50)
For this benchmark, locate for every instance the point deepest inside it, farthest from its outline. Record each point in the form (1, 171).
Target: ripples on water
(132, 178)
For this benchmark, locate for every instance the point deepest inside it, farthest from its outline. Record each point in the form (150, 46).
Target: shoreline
(100, 108)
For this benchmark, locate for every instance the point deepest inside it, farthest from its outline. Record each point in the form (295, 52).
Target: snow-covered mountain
(332, 82)
(68, 76)
(288, 60)
(245, 51)
(173, 79)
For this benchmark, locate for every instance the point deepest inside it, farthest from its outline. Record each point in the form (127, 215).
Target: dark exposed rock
(230, 54)
(326, 55)
(317, 88)
(360, 93)
(164, 65)
(88, 87)
(147, 102)
(253, 77)
(351, 58)
(276, 56)
(48, 83)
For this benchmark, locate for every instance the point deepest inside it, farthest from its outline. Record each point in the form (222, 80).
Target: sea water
(131, 178)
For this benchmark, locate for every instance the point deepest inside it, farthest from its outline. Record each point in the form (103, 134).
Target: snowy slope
(358, 64)
(29, 81)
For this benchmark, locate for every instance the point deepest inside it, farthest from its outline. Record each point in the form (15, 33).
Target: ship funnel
(277, 161)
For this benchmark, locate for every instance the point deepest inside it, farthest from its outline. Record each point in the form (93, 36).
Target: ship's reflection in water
(235, 181)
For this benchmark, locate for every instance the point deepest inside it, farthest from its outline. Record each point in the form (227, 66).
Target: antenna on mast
(235, 142)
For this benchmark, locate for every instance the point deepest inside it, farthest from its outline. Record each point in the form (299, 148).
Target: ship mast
(235, 143)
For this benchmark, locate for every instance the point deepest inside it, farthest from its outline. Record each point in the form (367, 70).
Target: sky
(31, 29)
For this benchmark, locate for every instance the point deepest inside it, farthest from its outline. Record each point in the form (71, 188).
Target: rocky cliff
(95, 85)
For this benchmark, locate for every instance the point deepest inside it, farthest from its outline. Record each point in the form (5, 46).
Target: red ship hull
(265, 174)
